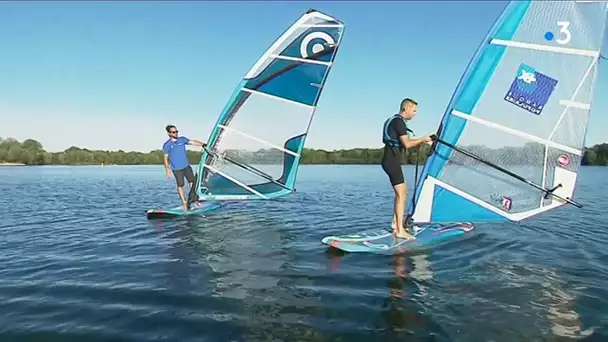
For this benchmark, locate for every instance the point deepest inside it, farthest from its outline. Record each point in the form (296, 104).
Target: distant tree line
(596, 155)
(31, 152)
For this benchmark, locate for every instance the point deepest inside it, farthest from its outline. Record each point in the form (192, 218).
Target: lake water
(80, 262)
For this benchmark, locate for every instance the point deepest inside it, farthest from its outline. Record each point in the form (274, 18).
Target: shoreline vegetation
(31, 152)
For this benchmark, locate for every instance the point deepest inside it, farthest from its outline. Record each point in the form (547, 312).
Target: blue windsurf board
(196, 208)
(382, 241)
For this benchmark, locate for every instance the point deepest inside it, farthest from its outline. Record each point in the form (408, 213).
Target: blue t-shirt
(178, 159)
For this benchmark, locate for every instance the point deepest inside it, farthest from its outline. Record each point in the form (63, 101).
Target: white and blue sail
(511, 140)
(512, 137)
(255, 147)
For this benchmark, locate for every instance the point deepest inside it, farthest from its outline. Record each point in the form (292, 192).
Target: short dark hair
(168, 128)
(406, 101)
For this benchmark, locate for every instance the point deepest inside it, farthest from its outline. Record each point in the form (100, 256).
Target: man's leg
(180, 191)
(400, 188)
(179, 179)
(394, 223)
(386, 167)
(189, 174)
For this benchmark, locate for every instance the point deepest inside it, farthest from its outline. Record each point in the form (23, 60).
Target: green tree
(16, 154)
(31, 145)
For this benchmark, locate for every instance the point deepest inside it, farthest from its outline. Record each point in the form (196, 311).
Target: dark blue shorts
(184, 173)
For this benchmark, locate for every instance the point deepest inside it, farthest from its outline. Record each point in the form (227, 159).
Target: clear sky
(110, 75)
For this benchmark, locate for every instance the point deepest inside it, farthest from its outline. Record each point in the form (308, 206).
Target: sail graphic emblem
(530, 90)
(526, 81)
(507, 203)
(315, 42)
(563, 160)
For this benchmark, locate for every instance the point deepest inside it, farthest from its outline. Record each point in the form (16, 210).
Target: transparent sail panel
(257, 137)
(489, 184)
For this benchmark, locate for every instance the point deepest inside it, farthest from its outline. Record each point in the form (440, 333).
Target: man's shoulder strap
(407, 129)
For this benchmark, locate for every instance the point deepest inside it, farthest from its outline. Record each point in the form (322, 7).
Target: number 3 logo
(565, 33)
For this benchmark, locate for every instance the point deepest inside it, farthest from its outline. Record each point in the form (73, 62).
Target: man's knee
(400, 190)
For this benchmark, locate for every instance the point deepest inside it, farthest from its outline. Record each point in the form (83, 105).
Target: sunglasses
(173, 132)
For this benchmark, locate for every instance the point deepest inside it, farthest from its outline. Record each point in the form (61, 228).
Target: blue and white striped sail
(255, 147)
(522, 104)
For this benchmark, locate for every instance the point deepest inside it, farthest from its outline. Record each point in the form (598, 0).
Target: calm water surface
(79, 261)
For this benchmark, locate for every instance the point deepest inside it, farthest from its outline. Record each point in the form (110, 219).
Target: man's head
(408, 108)
(171, 131)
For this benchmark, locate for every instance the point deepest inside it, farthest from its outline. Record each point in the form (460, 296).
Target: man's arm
(405, 140)
(410, 143)
(166, 155)
(196, 142)
(167, 168)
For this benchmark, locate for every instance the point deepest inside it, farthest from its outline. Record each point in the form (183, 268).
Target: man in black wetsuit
(395, 139)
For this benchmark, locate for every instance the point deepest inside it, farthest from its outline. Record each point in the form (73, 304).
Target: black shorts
(185, 172)
(394, 172)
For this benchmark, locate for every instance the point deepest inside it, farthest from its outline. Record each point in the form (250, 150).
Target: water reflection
(186, 270)
(241, 257)
(401, 311)
(406, 279)
(250, 260)
(558, 305)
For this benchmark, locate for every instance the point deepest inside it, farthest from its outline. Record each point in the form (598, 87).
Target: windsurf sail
(511, 140)
(255, 147)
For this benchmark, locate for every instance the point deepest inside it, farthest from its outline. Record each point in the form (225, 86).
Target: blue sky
(110, 75)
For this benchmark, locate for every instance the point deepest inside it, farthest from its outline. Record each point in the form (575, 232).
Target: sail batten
(547, 48)
(259, 136)
(302, 60)
(512, 137)
(575, 104)
(230, 178)
(516, 132)
(259, 140)
(257, 92)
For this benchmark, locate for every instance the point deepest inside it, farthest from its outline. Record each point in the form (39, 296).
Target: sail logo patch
(314, 43)
(530, 90)
(505, 201)
(563, 160)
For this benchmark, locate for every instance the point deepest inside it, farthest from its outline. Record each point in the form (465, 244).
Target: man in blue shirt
(176, 160)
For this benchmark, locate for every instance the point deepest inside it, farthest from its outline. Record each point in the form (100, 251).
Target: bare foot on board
(404, 235)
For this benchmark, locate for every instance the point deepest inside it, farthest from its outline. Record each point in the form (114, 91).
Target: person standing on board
(176, 160)
(396, 141)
